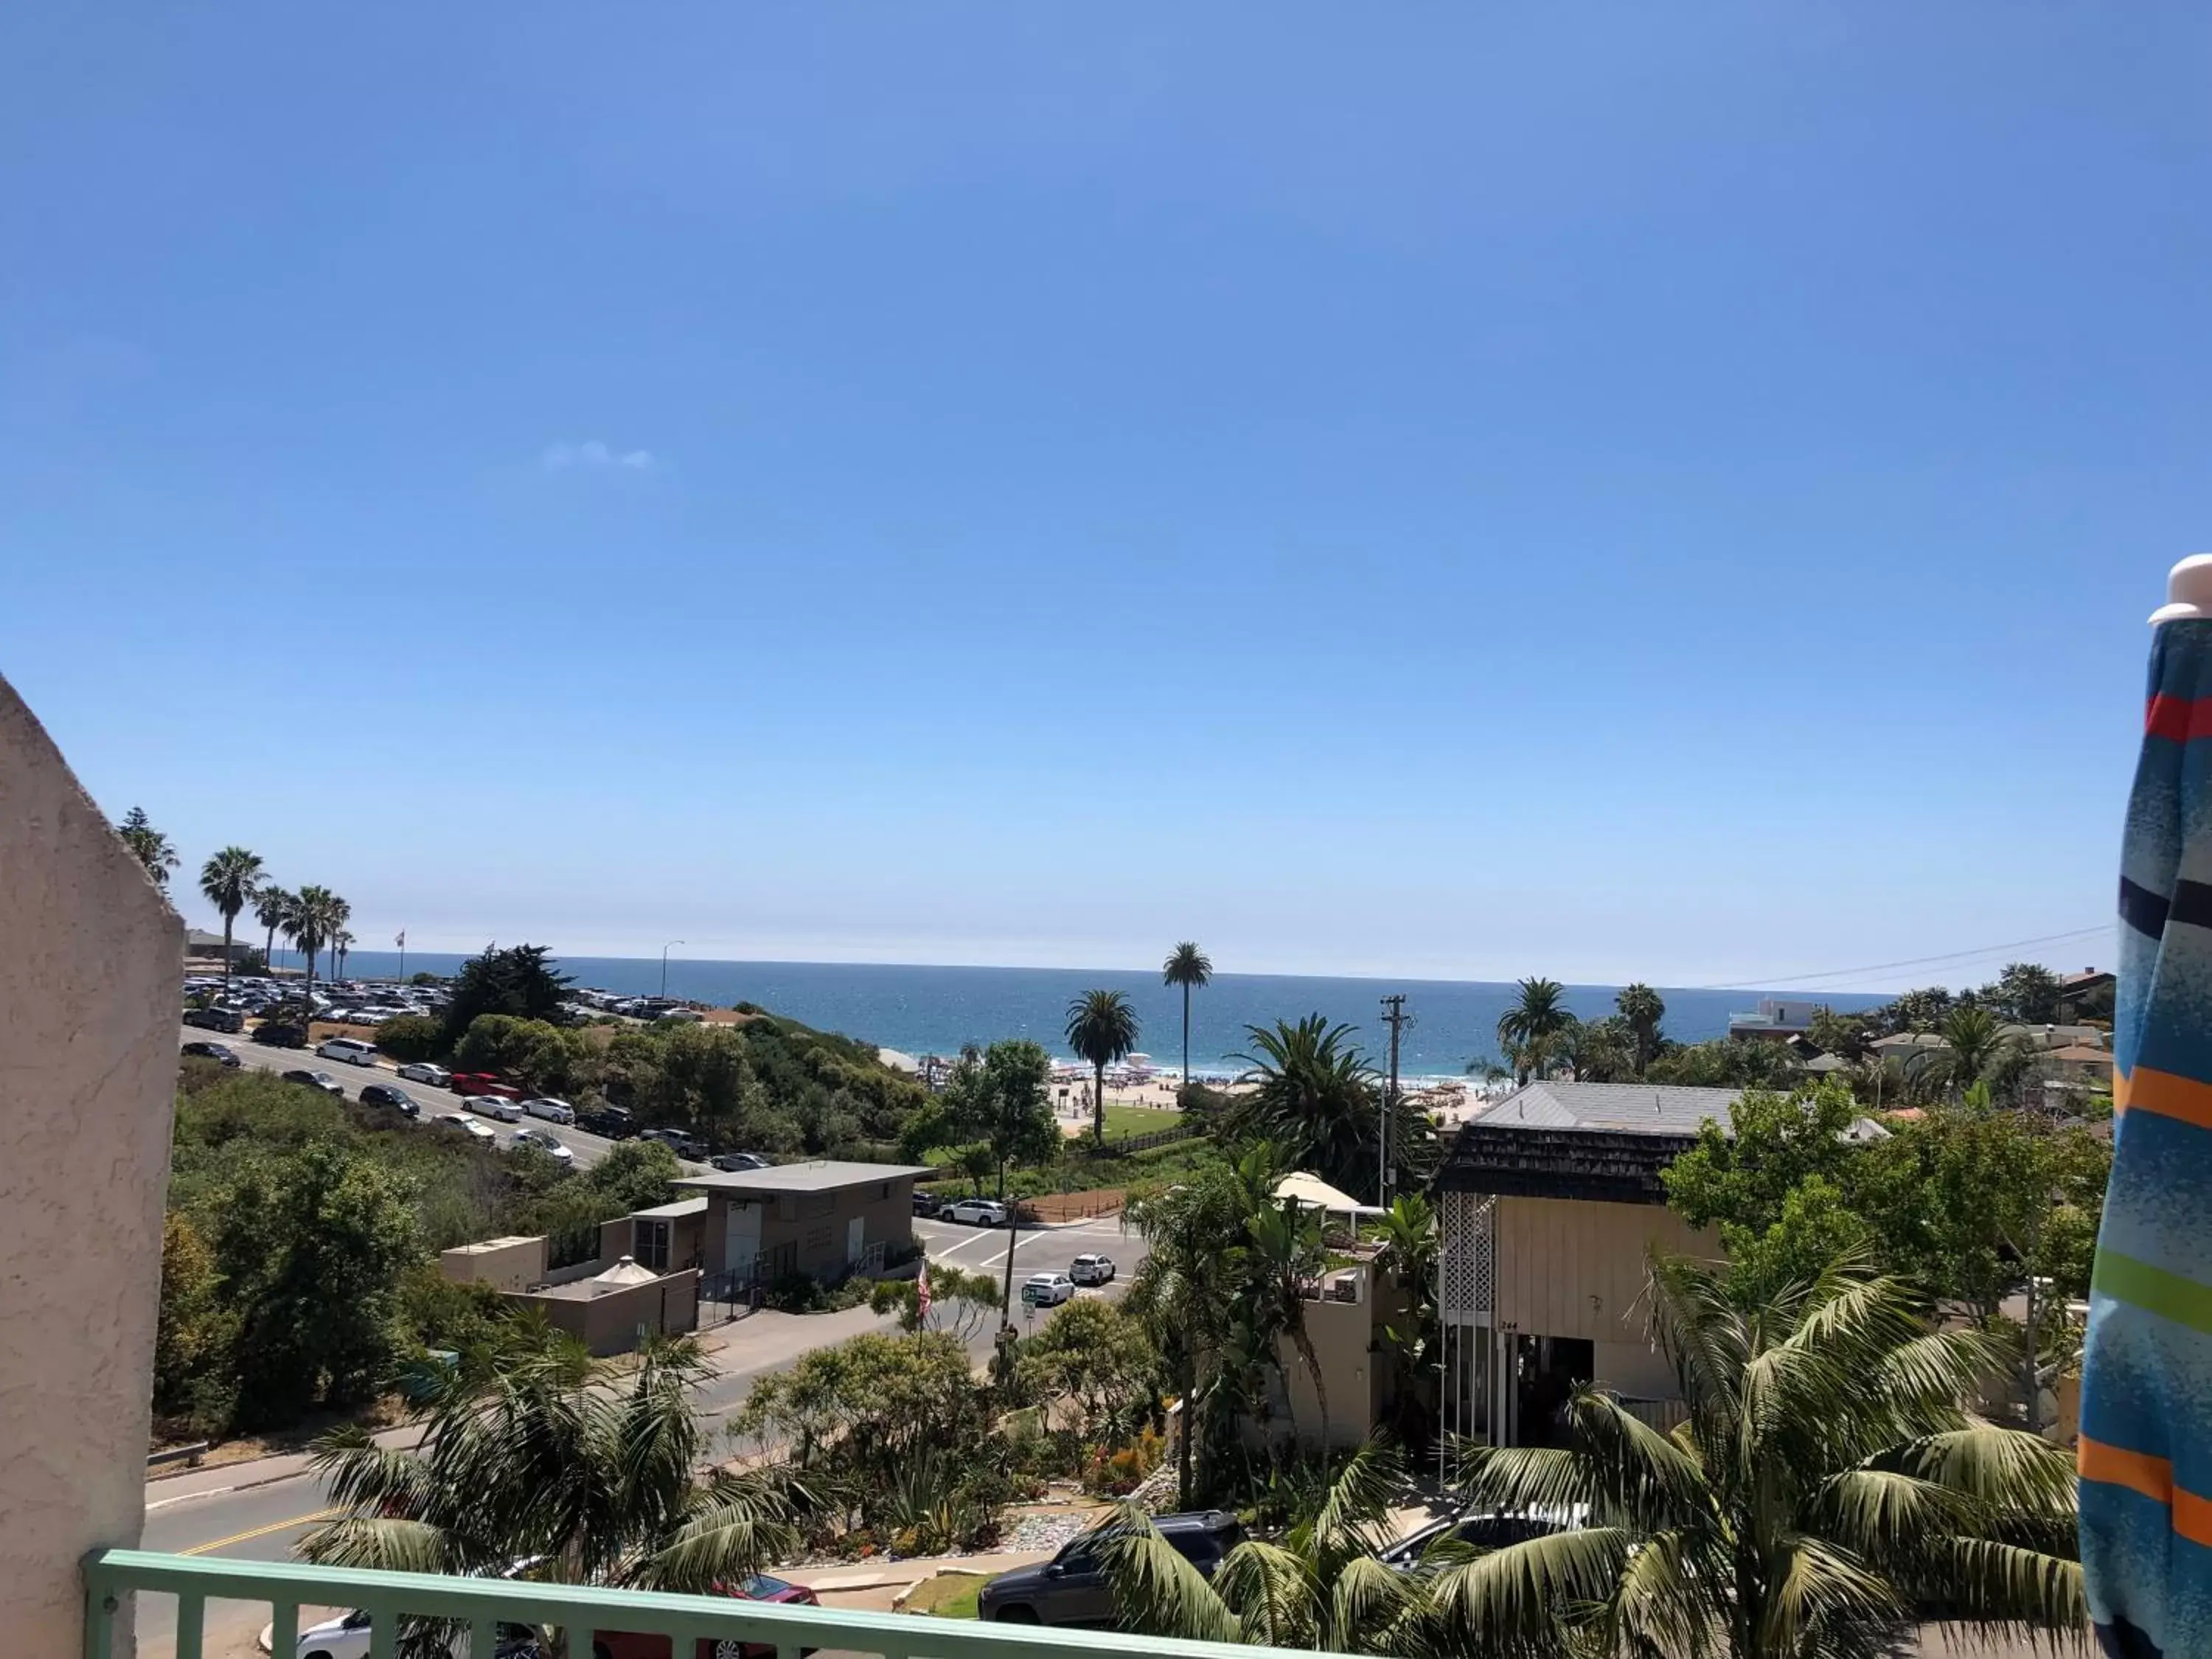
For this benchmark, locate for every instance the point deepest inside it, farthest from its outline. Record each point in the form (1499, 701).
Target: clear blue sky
(1465, 490)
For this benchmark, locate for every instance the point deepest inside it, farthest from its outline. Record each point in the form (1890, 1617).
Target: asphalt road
(589, 1149)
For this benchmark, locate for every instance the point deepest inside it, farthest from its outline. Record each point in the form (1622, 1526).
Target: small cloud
(592, 453)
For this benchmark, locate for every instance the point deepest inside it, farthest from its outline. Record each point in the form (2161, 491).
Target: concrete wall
(1350, 1376)
(609, 1324)
(91, 967)
(505, 1264)
(1568, 1267)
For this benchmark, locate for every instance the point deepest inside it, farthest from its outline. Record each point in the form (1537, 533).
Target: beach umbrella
(2146, 1442)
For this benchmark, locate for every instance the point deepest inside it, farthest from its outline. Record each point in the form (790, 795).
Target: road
(259, 1511)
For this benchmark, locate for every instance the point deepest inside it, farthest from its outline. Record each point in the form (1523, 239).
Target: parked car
(612, 1122)
(1048, 1290)
(323, 1080)
(928, 1203)
(1092, 1270)
(977, 1212)
(345, 1049)
(347, 1637)
(545, 1142)
(482, 1083)
(1491, 1531)
(493, 1106)
(383, 1094)
(277, 1034)
(677, 1141)
(1070, 1589)
(552, 1110)
(215, 1019)
(422, 1070)
(735, 1163)
(759, 1587)
(463, 1121)
(219, 1053)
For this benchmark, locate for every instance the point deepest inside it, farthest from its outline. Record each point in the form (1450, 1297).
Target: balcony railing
(480, 1606)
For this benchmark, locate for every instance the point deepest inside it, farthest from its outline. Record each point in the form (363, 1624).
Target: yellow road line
(258, 1532)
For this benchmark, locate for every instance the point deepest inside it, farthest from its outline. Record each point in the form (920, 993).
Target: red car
(630, 1644)
(482, 1083)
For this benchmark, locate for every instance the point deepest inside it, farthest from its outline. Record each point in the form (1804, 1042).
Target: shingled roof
(1598, 1142)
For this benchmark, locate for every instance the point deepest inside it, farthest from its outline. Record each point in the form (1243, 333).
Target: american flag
(921, 1294)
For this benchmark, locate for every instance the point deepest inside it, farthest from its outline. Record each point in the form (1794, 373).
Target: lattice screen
(1470, 1257)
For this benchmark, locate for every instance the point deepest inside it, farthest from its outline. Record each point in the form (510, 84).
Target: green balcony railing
(479, 1606)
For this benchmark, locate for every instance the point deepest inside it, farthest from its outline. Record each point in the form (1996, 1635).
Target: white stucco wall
(91, 966)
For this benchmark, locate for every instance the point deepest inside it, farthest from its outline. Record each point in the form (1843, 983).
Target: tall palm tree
(1102, 1028)
(149, 846)
(545, 1453)
(1974, 1046)
(273, 906)
(1320, 1587)
(227, 882)
(1831, 1481)
(342, 944)
(1642, 1008)
(1531, 1030)
(311, 918)
(340, 913)
(1314, 1095)
(1192, 969)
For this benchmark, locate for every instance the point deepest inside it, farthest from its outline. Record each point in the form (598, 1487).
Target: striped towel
(2146, 1449)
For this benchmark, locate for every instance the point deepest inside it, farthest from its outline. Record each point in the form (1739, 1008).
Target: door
(741, 1242)
(1076, 1591)
(856, 1240)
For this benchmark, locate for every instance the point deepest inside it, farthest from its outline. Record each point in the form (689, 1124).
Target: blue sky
(1463, 491)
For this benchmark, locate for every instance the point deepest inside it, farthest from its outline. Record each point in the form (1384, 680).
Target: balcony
(477, 1607)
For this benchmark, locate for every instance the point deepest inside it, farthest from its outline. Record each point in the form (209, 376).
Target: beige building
(824, 1218)
(1550, 1201)
(611, 1305)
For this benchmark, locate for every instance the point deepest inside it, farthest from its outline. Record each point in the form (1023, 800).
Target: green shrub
(410, 1038)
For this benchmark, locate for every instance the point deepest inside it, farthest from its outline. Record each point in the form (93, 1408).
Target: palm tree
(1102, 1028)
(1531, 1030)
(1974, 1047)
(340, 913)
(1600, 1050)
(311, 918)
(1642, 1008)
(342, 944)
(1320, 1587)
(227, 882)
(1192, 969)
(1314, 1095)
(542, 1452)
(149, 846)
(273, 906)
(1830, 1481)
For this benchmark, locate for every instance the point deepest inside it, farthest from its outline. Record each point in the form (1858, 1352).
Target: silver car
(552, 1110)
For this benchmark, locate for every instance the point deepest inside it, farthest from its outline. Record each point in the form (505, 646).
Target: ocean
(929, 1010)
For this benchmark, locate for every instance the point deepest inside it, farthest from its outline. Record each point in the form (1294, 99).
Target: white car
(463, 1120)
(494, 1106)
(1092, 1270)
(1048, 1290)
(345, 1049)
(348, 1637)
(552, 1110)
(423, 1071)
(544, 1141)
(978, 1212)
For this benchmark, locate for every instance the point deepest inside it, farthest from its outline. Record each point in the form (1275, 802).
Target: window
(651, 1248)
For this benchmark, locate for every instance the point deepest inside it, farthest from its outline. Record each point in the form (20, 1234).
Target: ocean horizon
(919, 1008)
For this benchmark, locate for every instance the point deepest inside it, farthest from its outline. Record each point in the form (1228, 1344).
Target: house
(1549, 1202)
(1776, 1019)
(824, 1218)
(2089, 995)
(2076, 1064)
(200, 945)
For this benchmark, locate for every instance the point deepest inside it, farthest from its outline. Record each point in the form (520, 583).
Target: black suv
(612, 1122)
(215, 1019)
(1070, 1589)
(219, 1053)
(383, 1094)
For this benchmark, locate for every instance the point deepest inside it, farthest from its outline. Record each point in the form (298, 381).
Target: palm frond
(1882, 1514)
(1512, 1479)
(1823, 1597)
(1637, 1472)
(2006, 1471)
(385, 1545)
(1157, 1591)
(1367, 1603)
(1667, 1600)
(2000, 1584)
(1524, 1598)
(1272, 1592)
(1355, 1510)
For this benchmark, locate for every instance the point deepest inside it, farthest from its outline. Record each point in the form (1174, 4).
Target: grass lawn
(948, 1595)
(1123, 1122)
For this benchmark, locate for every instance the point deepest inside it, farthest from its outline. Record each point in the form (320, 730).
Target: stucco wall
(505, 1264)
(1341, 1334)
(609, 1324)
(91, 985)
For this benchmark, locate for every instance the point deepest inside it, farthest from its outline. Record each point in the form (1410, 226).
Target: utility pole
(1393, 1016)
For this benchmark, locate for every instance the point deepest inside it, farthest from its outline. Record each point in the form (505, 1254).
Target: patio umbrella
(2146, 1441)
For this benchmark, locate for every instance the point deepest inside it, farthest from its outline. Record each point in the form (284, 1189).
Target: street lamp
(663, 964)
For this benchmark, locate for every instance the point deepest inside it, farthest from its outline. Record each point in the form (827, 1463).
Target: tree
(1601, 1050)
(2026, 993)
(408, 1038)
(1642, 1008)
(1320, 1587)
(870, 1404)
(634, 1175)
(340, 913)
(959, 1302)
(227, 882)
(311, 918)
(547, 1454)
(272, 908)
(1916, 1011)
(1102, 1028)
(537, 1056)
(1974, 1049)
(149, 846)
(1192, 969)
(1531, 1030)
(1314, 1095)
(1831, 1479)
(340, 947)
(194, 1376)
(1846, 1036)
(519, 980)
(1096, 1360)
(1407, 1267)
(1725, 1063)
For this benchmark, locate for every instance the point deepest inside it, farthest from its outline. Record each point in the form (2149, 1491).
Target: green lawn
(948, 1595)
(1123, 1122)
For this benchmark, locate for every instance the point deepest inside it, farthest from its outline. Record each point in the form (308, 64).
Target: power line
(1772, 982)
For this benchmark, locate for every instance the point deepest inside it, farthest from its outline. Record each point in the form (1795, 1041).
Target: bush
(410, 1038)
